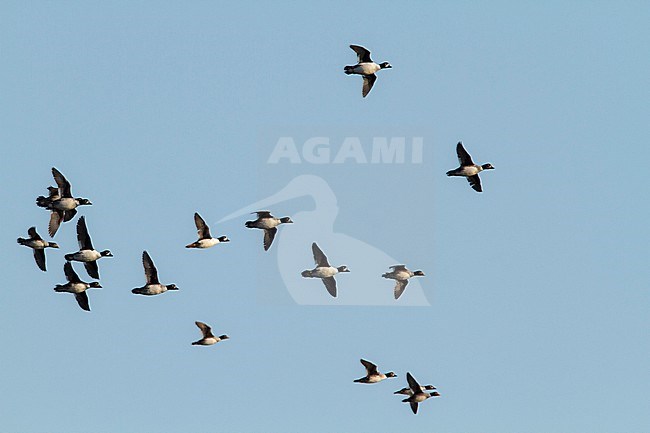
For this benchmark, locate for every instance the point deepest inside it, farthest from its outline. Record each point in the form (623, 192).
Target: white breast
(376, 378)
(37, 244)
(402, 275)
(155, 289)
(87, 255)
(207, 243)
(65, 204)
(366, 68)
(324, 272)
(420, 397)
(268, 223)
(470, 171)
(78, 287)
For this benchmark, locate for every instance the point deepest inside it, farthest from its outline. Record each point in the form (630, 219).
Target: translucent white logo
(324, 150)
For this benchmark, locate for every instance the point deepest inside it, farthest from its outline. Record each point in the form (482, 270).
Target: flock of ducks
(63, 208)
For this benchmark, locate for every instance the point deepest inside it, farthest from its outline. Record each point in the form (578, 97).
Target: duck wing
(269, 235)
(205, 329)
(39, 256)
(414, 407)
(70, 274)
(92, 269)
(463, 157)
(69, 214)
(53, 193)
(400, 286)
(82, 300)
(150, 271)
(330, 285)
(62, 182)
(85, 243)
(55, 221)
(201, 227)
(263, 214)
(319, 257)
(368, 82)
(475, 183)
(413, 384)
(398, 267)
(370, 367)
(363, 55)
(32, 234)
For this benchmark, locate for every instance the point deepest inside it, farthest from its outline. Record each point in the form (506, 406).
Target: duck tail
(42, 201)
(192, 245)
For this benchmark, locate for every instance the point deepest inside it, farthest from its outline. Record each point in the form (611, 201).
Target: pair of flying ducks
(265, 221)
(416, 393)
(326, 273)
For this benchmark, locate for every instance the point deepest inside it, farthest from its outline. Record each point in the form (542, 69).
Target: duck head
(53, 245)
(487, 166)
(286, 220)
(391, 374)
(343, 269)
(224, 239)
(83, 201)
(419, 274)
(223, 337)
(385, 65)
(95, 285)
(171, 287)
(106, 253)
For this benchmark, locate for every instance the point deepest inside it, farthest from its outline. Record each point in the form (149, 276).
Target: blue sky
(538, 287)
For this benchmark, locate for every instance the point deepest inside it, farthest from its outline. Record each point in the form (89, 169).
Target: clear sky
(538, 288)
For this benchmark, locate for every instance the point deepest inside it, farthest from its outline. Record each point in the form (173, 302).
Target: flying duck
(76, 286)
(269, 224)
(418, 395)
(324, 270)
(208, 338)
(38, 245)
(153, 286)
(365, 67)
(401, 276)
(205, 239)
(468, 169)
(372, 375)
(409, 391)
(62, 204)
(87, 254)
